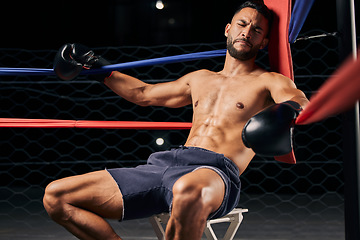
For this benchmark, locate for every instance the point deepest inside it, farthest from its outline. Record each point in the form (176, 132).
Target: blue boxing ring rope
(120, 66)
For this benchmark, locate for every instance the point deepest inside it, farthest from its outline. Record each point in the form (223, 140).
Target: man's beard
(241, 54)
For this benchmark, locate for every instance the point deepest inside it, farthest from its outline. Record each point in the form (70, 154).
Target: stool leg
(209, 232)
(233, 227)
(235, 218)
(158, 228)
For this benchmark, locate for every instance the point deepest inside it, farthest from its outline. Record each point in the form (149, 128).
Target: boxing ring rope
(345, 82)
(53, 123)
(338, 94)
(120, 66)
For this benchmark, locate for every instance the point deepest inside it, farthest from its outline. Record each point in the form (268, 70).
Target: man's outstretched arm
(71, 59)
(170, 94)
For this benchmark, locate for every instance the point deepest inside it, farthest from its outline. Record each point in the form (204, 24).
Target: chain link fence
(308, 195)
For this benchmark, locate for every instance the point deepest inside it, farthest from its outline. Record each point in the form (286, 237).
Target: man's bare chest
(233, 99)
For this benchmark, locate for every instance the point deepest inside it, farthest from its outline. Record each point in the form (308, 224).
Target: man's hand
(71, 59)
(270, 132)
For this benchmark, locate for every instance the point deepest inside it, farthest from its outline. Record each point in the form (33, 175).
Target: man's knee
(191, 198)
(203, 189)
(53, 200)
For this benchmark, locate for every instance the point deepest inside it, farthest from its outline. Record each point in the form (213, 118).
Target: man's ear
(264, 43)
(227, 28)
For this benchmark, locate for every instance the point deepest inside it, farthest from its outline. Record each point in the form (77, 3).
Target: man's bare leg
(196, 196)
(80, 204)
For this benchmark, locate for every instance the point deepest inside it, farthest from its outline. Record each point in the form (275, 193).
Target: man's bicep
(170, 94)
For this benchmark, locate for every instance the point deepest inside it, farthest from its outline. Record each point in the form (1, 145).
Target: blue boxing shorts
(147, 189)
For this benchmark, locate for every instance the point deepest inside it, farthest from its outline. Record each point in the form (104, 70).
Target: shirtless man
(199, 180)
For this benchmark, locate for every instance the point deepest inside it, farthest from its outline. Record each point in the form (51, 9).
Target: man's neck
(233, 66)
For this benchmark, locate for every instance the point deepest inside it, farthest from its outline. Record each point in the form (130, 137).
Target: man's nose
(246, 32)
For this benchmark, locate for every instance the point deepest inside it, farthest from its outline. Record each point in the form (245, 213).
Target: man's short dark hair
(259, 6)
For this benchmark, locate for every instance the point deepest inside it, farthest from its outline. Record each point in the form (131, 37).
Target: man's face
(246, 34)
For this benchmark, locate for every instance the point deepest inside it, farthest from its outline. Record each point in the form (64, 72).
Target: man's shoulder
(273, 76)
(202, 72)
(274, 80)
(199, 74)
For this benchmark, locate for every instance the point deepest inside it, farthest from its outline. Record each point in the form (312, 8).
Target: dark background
(31, 158)
(49, 24)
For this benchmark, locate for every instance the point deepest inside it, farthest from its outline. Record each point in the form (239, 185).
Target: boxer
(199, 180)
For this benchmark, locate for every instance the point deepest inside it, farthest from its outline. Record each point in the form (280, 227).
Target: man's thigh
(143, 191)
(94, 191)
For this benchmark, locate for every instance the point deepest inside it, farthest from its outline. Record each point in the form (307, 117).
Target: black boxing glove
(270, 132)
(71, 59)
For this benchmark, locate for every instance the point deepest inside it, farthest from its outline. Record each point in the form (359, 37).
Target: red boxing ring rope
(53, 123)
(338, 94)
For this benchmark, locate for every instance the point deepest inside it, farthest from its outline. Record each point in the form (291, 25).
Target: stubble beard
(241, 55)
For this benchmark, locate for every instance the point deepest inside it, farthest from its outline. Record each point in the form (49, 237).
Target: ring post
(351, 132)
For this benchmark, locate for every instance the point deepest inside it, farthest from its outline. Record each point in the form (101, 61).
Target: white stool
(235, 218)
